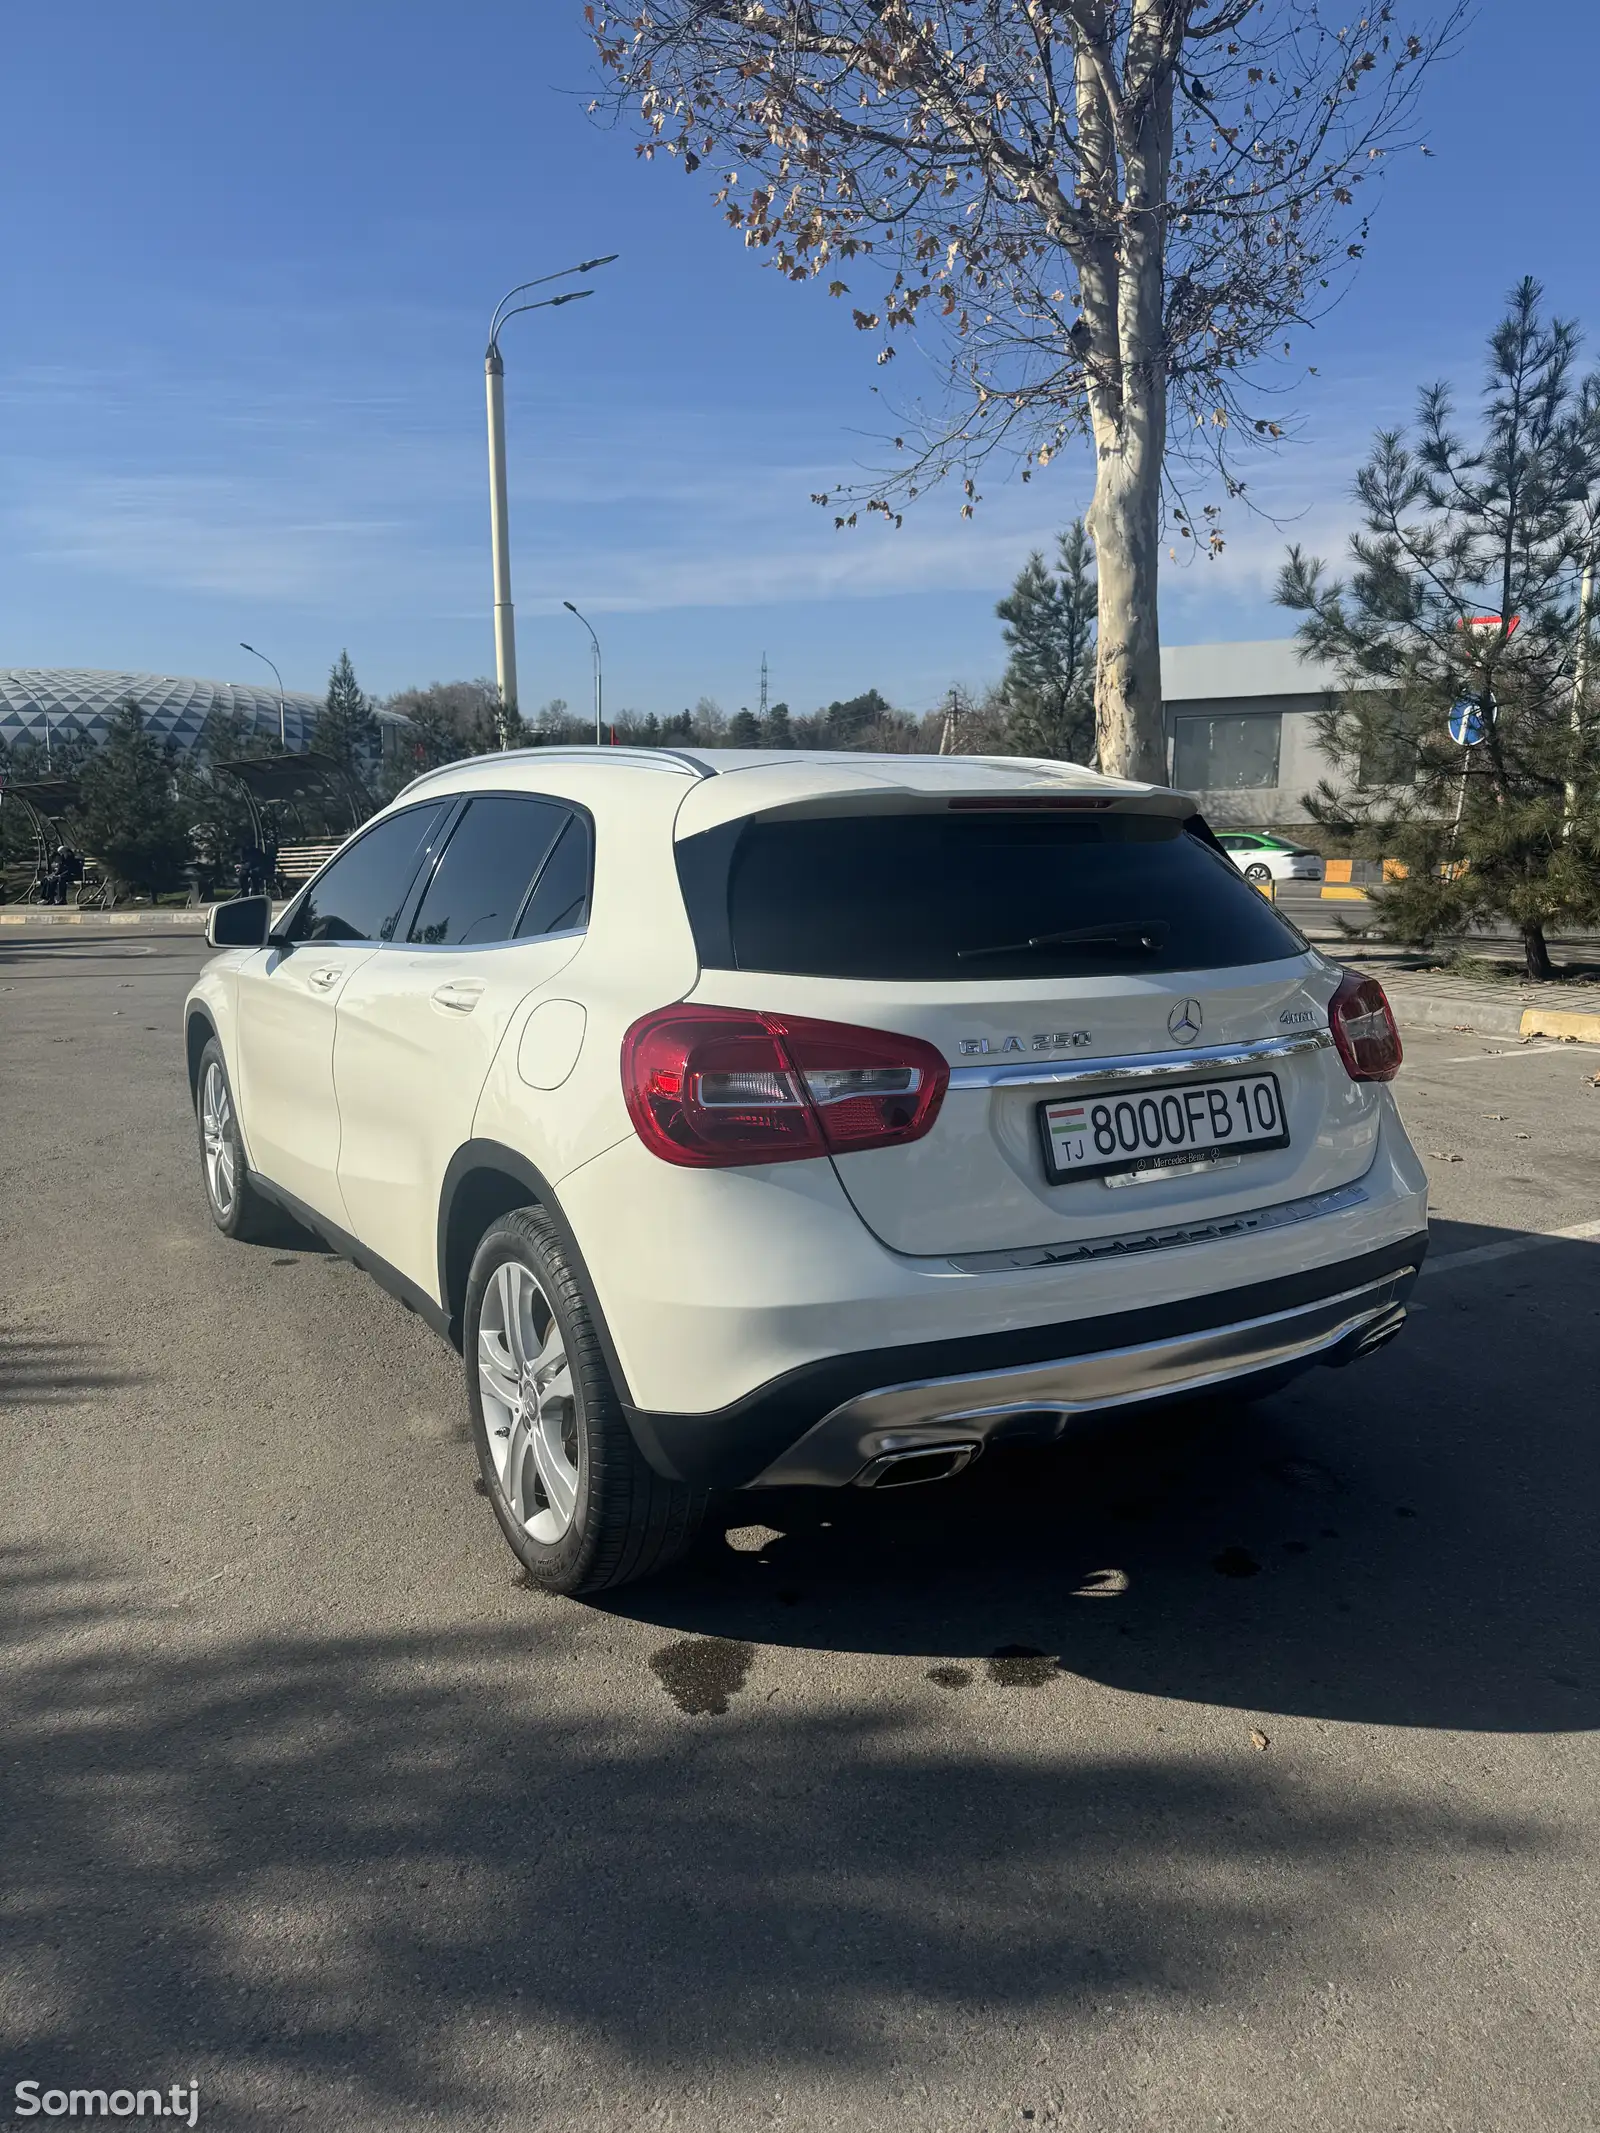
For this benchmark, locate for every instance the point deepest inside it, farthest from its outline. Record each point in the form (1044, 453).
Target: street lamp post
(283, 739)
(505, 630)
(598, 697)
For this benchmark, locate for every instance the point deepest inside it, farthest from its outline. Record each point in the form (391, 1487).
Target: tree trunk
(1535, 953)
(1125, 521)
(1580, 694)
(1124, 294)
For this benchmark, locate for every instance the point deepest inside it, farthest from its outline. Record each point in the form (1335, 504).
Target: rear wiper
(1148, 934)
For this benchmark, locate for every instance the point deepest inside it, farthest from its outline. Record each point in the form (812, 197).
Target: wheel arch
(485, 1180)
(199, 1027)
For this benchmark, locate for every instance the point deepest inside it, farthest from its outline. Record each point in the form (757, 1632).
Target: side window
(360, 897)
(478, 887)
(560, 899)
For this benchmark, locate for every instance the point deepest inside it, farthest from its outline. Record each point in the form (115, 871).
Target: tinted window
(478, 886)
(902, 896)
(359, 898)
(560, 900)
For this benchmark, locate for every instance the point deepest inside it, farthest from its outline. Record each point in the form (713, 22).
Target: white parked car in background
(1262, 858)
(759, 1119)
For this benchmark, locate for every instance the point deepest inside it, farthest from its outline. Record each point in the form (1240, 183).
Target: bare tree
(1110, 210)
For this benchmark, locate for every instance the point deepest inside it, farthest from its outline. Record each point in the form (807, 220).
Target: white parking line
(1520, 1051)
(1477, 1254)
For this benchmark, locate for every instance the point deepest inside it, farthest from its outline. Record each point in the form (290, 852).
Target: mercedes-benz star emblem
(1183, 1024)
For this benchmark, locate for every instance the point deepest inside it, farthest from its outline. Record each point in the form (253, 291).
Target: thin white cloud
(281, 488)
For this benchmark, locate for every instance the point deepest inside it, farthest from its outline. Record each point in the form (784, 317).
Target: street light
(505, 631)
(283, 742)
(594, 640)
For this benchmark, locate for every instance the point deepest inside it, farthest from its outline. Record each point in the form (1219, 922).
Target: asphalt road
(1280, 1812)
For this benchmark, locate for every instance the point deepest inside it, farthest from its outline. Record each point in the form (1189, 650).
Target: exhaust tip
(1380, 1333)
(925, 1462)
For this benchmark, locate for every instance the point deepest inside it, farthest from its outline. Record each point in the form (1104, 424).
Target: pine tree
(847, 724)
(346, 728)
(128, 816)
(213, 805)
(1451, 530)
(744, 729)
(778, 732)
(1048, 684)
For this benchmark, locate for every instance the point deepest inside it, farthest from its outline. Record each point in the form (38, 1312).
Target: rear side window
(966, 898)
(360, 897)
(478, 887)
(560, 899)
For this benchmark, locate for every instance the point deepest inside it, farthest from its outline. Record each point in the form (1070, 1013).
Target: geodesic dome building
(36, 701)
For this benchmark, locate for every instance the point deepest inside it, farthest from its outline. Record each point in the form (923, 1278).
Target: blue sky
(249, 257)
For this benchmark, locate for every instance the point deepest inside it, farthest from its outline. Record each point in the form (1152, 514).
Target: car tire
(236, 1207)
(1257, 872)
(580, 1505)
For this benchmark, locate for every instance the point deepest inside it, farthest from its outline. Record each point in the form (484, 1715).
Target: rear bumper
(849, 1417)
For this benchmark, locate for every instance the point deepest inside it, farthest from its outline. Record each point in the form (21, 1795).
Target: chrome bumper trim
(1172, 1237)
(977, 1409)
(1140, 1066)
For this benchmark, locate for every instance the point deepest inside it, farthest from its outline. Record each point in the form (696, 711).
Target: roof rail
(639, 758)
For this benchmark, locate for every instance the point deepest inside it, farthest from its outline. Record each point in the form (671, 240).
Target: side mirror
(243, 923)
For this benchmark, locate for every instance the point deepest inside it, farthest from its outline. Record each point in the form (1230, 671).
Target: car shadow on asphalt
(361, 1873)
(1409, 1541)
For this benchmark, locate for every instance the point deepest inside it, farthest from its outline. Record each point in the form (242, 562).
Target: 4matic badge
(1061, 1040)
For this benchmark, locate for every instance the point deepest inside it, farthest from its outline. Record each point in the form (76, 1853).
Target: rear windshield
(973, 897)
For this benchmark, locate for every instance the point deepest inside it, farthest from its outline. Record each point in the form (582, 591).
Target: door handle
(459, 995)
(324, 980)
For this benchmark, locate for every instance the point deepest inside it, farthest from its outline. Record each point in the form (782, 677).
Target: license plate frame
(1170, 1155)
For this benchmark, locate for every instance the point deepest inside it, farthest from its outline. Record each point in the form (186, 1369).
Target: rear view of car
(1040, 1110)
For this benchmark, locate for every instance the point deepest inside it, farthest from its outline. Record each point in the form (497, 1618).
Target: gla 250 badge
(1063, 1040)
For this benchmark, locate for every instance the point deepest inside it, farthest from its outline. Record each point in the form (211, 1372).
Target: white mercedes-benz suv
(758, 1119)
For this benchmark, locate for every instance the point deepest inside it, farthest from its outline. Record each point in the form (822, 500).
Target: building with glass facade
(45, 704)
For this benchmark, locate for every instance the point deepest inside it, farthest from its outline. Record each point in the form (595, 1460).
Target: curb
(1490, 1018)
(1481, 1018)
(1561, 1022)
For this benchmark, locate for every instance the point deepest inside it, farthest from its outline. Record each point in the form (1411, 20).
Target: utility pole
(494, 378)
(947, 734)
(763, 689)
(505, 625)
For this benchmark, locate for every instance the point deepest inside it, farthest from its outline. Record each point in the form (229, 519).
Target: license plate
(1161, 1129)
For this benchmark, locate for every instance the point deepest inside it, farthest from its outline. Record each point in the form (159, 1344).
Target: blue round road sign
(1470, 718)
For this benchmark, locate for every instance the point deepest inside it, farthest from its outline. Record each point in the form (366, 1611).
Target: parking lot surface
(1235, 1768)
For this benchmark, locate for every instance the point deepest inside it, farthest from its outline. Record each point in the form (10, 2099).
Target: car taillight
(1363, 1027)
(720, 1086)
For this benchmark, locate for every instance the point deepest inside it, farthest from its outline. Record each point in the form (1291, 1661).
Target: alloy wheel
(529, 1403)
(216, 1131)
